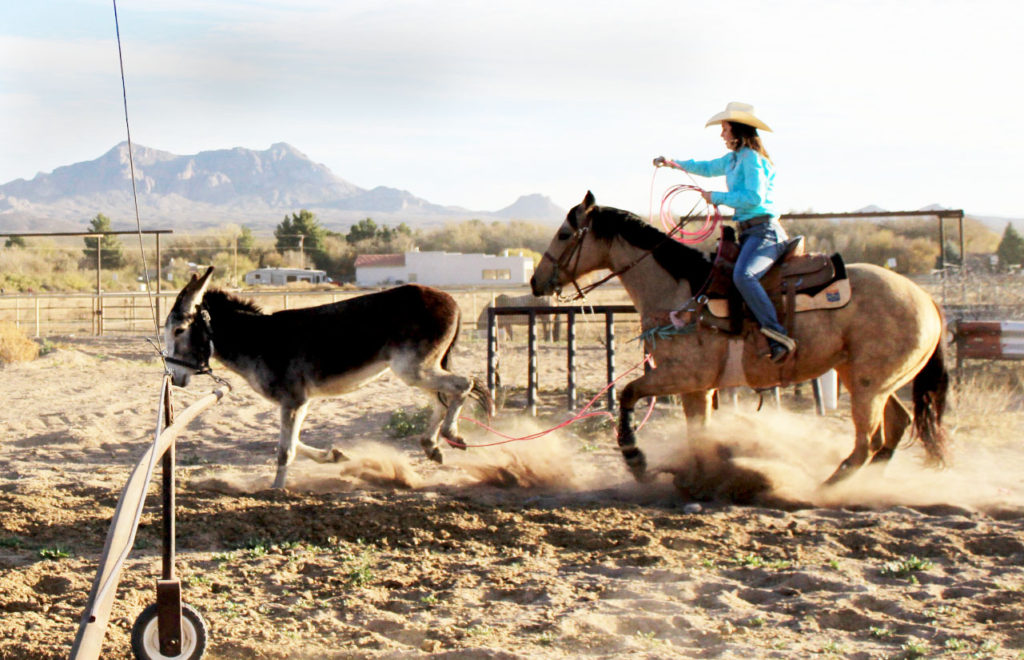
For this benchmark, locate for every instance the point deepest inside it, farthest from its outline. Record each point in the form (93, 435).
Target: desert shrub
(402, 423)
(15, 346)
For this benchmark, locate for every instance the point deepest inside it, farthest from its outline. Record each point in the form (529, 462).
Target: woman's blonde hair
(747, 136)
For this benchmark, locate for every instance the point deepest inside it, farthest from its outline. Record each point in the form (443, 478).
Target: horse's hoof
(336, 455)
(458, 442)
(639, 471)
(436, 455)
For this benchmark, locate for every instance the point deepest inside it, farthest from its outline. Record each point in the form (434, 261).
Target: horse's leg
(697, 407)
(651, 383)
(867, 406)
(895, 421)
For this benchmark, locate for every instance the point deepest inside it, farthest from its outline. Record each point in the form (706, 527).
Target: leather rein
(575, 250)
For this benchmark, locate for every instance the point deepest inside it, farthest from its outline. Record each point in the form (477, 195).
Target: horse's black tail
(931, 385)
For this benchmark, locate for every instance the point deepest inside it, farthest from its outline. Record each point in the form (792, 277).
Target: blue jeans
(760, 246)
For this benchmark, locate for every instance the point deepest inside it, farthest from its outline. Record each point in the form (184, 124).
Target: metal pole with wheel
(150, 637)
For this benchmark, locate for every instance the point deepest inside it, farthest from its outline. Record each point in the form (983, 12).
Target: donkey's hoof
(458, 442)
(336, 455)
(436, 455)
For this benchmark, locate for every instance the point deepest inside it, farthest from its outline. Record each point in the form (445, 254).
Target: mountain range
(242, 186)
(210, 188)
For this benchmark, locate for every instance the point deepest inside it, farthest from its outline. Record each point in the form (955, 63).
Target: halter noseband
(200, 321)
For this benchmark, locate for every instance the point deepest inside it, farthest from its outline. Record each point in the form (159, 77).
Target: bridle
(573, 252)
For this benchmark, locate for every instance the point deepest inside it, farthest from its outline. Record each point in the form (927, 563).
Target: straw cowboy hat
(741, 113)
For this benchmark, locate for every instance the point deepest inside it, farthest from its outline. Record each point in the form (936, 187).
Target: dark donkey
(294, 355)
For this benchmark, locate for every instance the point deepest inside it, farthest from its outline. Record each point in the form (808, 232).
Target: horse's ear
(582, 210)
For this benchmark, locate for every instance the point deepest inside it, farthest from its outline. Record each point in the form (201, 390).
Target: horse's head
(571, 253)
(188, 340)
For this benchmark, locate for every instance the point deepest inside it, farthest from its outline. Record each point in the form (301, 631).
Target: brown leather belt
(753, 222)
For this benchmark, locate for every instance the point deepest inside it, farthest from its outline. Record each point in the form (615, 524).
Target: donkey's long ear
(192, 294)
(583, 208)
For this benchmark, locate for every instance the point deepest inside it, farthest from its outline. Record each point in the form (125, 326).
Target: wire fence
(130, 313)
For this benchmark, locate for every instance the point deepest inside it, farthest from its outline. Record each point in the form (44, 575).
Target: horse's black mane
(222, 298)
(680, 261)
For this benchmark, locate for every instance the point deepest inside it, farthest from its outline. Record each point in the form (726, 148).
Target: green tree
(1011, 248)
(14, 241)
(301, 231)
(111, 250)
(246, 241)
(365, 229)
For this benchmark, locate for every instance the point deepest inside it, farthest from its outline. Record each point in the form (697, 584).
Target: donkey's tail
(931, 385)
(478, 392)
(482, 396)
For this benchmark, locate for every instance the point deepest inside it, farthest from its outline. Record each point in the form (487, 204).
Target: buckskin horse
(887, 335)
(295, 355)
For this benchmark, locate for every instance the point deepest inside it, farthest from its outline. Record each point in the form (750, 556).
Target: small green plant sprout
(479, 630)
(833, 647)
(833, 564)
(192, 580)
(360, 573)
(880, 632)
(429, 600)
(56, 552)
(11, 542)
(905, 568)
(956, 644)
(546, 638)
(757, 561)
(402, 424)
(940, 611)
(914, 648)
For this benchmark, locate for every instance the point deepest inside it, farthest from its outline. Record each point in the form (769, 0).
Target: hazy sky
(898, 103)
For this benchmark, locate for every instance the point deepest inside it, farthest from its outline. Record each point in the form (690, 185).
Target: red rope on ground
(582, 414)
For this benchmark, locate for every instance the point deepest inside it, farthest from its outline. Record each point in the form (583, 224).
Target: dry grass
(15, 346)
(989, 398)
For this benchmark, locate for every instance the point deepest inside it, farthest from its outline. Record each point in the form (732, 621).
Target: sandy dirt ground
(536, 549)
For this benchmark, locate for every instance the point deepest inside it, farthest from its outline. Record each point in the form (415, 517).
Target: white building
(442, 269)
(281, 276)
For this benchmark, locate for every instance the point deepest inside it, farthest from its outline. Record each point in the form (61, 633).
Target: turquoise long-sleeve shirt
(749, 176)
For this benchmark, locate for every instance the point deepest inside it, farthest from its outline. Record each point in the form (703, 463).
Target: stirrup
(778, 353)
(787, 342)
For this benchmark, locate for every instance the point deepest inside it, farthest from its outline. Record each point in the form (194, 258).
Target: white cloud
(897, 104)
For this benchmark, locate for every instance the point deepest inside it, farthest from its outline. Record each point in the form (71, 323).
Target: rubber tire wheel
(146, 636)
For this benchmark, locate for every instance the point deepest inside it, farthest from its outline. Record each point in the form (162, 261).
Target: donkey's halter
(201, 321)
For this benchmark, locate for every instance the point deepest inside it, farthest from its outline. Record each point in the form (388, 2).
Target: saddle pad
(833, 296)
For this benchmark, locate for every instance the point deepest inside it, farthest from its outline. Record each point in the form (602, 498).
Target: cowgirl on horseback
(749, 176)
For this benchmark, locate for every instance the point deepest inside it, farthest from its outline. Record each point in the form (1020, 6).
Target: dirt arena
(536, 549)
